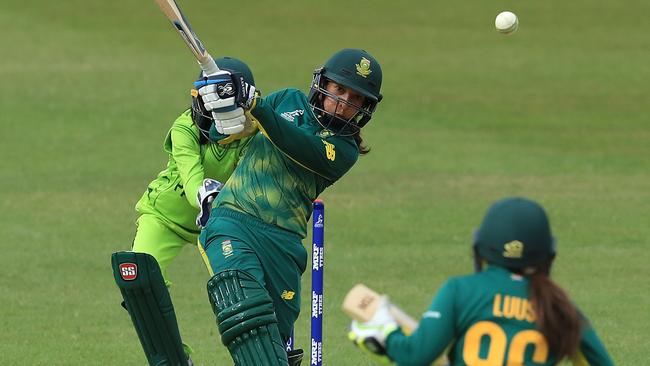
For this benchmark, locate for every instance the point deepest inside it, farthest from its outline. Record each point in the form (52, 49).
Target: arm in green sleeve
(434, 333)
(186, 152)
(329, 158)
(592, 351)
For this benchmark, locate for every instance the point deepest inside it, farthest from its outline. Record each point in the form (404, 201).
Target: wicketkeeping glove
(371, 336)
(204, 197)
(226, 96)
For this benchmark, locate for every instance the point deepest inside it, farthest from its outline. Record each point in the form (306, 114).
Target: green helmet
(357, 70)
(515, 233)
(202, 119)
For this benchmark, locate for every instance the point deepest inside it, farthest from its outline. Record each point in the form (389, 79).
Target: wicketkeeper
(168, 221)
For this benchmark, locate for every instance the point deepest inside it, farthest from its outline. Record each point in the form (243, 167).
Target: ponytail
(363, 150)
(556, 316)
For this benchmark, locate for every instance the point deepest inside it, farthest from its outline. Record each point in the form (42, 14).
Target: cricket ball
(506, 22)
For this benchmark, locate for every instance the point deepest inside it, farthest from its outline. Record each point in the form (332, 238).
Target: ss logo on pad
(128, 271)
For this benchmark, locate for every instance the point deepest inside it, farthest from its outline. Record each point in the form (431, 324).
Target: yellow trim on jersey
(261, 128)
(579, 360)
(205, 257)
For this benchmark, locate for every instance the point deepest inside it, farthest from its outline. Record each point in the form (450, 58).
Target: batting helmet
(357, 70)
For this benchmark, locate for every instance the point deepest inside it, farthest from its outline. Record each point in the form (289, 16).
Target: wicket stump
(317, 285)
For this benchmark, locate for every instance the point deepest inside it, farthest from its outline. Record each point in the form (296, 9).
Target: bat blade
(361, 303)
(176, 17)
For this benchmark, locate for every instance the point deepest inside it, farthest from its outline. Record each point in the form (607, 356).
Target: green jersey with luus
(172, 195)
(487, 319)
(288, 164)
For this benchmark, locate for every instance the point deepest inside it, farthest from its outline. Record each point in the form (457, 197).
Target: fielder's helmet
(515, 233)
(357, 70)
(202, 118)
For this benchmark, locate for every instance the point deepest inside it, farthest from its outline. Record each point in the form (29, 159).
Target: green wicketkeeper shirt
(288, 164)
(488, 320)
(172, 195)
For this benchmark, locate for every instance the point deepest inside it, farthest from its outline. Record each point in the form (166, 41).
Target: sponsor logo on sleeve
(291, 116)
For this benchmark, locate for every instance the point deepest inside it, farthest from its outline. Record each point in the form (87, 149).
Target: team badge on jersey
(226, 248)
(514, 249)
(363, 67)
(325, 134)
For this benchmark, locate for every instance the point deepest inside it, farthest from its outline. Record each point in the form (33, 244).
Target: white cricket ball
(506, 22)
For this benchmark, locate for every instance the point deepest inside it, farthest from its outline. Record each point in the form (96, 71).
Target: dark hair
(556, 316)
(363, 149)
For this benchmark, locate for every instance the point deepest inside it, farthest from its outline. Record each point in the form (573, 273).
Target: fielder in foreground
(509, 313)
(252, 241)
(168, 221)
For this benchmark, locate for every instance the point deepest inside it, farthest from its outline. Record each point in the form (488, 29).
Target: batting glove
(371, 336)
(251, 127)
(204, 197)
(226, 96)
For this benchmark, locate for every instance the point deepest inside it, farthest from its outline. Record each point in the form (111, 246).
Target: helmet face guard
(339, 126)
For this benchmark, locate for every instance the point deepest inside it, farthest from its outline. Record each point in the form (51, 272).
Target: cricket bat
(174, 14)
(361, 303)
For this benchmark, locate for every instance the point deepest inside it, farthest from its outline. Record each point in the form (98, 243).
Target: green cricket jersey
(172, 195)
(288, 164)
(488, 321)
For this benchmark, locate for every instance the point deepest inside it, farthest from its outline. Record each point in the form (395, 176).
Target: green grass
(557, 112)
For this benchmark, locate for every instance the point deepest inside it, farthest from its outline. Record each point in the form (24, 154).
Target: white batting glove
(371, 336)
(226, 96)
(231, 122)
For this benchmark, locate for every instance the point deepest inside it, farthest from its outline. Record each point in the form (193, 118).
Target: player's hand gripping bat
(361, 303)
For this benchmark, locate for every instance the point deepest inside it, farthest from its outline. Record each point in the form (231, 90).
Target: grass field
(557, 112)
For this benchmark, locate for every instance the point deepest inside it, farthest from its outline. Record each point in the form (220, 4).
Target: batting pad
(246, 319)
(148, 302)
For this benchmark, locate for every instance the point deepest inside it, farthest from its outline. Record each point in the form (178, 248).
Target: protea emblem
(363, 67)
(514, 249)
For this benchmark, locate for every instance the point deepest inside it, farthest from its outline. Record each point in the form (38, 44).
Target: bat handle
(407, 323)
(208, 65)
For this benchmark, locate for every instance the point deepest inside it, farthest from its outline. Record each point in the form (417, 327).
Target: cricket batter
(252, 241)
(510, 313)
(168, 221)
